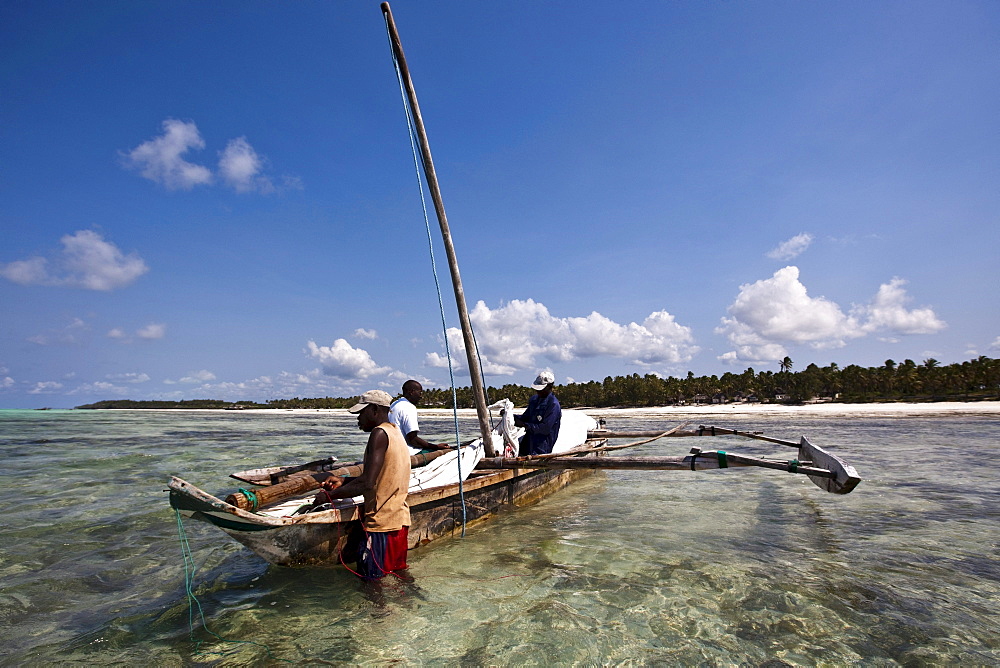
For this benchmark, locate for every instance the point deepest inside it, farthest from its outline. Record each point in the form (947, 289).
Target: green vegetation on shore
(975, 380)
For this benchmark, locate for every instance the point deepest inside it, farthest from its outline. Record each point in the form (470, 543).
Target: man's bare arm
(414, 440)
(378, 444)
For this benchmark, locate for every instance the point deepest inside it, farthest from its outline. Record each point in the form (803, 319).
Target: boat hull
(318, 538)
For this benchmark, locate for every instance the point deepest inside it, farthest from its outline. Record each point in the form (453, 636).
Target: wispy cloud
(100, 388)
(134, 378)
(792, 248)
(365, 334)
(45, 387)
(518, 334)
(67, 335)
(150, 332)
(86, 261)
(193, 378)
(285, 384)
(202, 376)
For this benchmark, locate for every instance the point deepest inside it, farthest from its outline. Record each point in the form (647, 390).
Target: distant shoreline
(820, 409)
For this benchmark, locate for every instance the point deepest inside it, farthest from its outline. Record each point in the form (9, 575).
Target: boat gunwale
(478, 479)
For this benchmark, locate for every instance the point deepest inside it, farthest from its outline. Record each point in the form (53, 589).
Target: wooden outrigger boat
(275, 531)
(450, 490)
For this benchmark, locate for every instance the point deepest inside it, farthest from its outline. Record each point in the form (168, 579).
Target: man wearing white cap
(541, 420)
(381, 538)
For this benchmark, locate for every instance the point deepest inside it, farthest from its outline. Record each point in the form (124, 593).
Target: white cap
(377, 397)
(544, 379)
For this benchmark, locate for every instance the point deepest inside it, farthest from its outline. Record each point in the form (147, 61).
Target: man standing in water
(403, 414)
(542, 419)
(379, 542)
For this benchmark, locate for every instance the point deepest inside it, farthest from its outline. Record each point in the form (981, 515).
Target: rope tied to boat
(189, 569)
(251, 499)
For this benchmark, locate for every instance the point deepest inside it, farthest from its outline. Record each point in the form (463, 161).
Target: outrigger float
(450, 490)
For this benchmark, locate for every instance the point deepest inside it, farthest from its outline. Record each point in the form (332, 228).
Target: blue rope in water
(193, 601)
(417, 163)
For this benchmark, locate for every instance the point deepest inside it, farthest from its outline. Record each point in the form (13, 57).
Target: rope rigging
(417, 164)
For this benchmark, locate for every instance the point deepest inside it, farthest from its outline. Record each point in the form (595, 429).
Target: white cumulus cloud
(344, 361)
(775, 312)
(161, 159)
(794, 247)
(888, 312)
(87, 261)
(514, 336)
(45, 387)
(240, 167)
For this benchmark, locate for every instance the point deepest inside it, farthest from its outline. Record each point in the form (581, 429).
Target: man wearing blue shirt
(541, 420)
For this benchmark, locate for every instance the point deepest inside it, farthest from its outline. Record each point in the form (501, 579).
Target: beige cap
(377, 397)
(544, 379)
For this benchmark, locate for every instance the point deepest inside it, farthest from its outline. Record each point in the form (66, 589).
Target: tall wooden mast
(463, 313)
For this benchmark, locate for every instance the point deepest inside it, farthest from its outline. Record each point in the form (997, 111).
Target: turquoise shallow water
(738, 567)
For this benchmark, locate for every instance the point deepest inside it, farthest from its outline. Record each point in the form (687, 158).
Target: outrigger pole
(463, 313)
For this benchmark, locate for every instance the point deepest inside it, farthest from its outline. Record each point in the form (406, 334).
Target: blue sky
(218, 200)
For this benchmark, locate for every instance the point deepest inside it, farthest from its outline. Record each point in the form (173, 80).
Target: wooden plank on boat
(272, 475)
(306, 481)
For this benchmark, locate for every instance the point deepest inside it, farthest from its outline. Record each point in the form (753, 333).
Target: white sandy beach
(826, 409)
(818, 410)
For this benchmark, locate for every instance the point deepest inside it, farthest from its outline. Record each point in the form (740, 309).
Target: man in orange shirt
(384, 482)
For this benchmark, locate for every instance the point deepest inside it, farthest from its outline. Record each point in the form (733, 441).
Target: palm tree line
(974, 380)
(977, 379)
